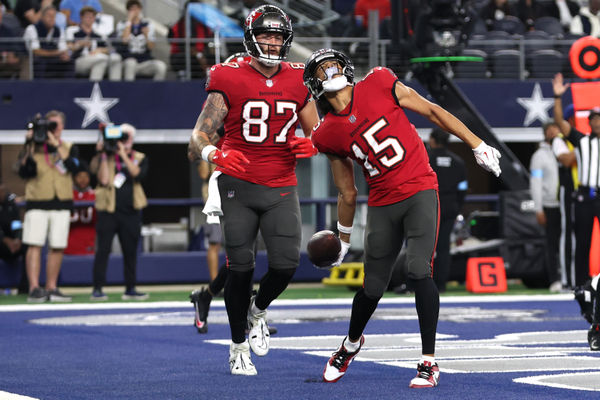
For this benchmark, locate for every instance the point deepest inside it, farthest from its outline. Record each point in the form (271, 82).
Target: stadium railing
(534, 58)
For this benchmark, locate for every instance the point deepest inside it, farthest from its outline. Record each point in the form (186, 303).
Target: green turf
(313, 292)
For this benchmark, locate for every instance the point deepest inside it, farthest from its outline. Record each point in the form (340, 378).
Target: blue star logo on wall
(96, 107)
(536, 106)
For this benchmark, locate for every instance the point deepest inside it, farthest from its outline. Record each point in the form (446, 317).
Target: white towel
(213, 203)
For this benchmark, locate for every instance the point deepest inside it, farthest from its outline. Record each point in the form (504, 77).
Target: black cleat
(201, 301)
(594, 337)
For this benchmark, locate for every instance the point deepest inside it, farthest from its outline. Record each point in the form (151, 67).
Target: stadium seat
(537, 40)
(477, 42)
(479, 27)
(545, 63)
(505, 64)
(564, 46)
(509, 24)
(498, 40)
(550, 25)
(471, 69)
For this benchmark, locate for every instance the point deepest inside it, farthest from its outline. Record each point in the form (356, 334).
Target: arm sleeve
(575, 136)
(29, 169)
(31, 38)
(559, 147)
(535, 183)
(62, 43)
(72, 162)
(217, 82)
(143, 170)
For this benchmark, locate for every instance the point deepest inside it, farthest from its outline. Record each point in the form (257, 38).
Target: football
(323, 248)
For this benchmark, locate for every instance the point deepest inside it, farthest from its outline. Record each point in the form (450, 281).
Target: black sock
(272, 285)
(596, 307)
(427, 300)
(362, 309)
(237, 301)
(219, 282)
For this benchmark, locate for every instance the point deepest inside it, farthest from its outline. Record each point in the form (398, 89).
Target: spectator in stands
(587, 22)
(91, 54)
(47, 165)
(82, 234)
(72, 9)
(12, 250)
(563, 10)
(30, 11)
(240, 14)
(10, 58)
(495, 10)
(452, 181)
(137, 34)
(362, 8)
(245, 6)
(528, 11)
(544, 186)
(51, 56)
(120, 199)
(201, 54)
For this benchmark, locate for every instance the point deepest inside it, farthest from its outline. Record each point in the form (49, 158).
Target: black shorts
(248, 207)
(415, 220)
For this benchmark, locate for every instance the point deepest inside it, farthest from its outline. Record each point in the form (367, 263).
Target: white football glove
(342, 254)
(488, 158)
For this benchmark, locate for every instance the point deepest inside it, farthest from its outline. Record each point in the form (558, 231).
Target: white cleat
(239, 359)
(428, 375)
(259, 335)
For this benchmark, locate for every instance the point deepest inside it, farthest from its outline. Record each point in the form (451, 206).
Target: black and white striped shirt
(587, 151)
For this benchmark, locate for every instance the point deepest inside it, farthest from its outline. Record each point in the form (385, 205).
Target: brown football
(323, 248)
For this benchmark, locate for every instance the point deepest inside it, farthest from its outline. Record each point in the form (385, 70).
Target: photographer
(119, 201)
(47, 163)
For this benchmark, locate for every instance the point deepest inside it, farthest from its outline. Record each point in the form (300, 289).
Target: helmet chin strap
(268, 62)
(335, 84)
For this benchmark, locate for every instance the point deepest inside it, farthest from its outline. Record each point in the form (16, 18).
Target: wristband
(206, 152)
(344, 229)
(557, 96)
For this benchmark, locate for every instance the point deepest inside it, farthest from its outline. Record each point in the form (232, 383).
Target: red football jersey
(374, 131)
(82, 233)
(263, 113)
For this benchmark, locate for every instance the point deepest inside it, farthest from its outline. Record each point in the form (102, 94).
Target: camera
(40, 128)
(111, 134)
(444, 28)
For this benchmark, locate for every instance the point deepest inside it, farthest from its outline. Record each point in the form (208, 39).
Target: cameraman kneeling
(119, 201)
(46, 164)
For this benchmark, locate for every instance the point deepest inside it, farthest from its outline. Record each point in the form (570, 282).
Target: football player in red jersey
(260, 103)
(366, 123)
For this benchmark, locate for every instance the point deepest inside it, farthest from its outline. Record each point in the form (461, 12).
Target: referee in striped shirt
(587, 196)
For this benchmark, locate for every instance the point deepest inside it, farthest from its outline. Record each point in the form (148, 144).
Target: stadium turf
(295, 291)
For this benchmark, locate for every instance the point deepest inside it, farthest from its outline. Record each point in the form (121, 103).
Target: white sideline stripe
(300, 302)
(14, 396)
(538, 380)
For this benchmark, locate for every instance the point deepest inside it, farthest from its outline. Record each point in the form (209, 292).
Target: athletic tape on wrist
(344, 229)
(206, 152)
